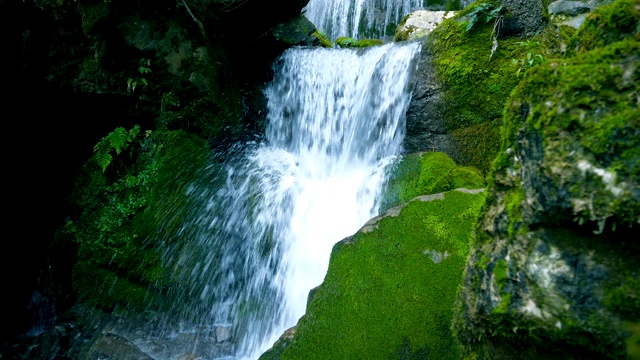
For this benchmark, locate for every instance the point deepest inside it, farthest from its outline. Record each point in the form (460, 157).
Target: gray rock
(571, 8)
(420, 23)
(575, 22)
(425, 116)
(523, 17)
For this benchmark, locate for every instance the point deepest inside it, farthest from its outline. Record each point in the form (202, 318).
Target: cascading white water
(335, 122)
(360, 18)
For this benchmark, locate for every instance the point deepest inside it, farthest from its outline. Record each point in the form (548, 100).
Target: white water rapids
(263, 237)
(336, 121)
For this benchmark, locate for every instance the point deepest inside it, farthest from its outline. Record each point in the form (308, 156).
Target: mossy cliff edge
(553, 272)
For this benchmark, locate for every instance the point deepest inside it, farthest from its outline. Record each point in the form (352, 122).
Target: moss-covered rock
(122, 209)
(390, 288)
(475, 76)
(427, 173)
(347, 42)
(550, 273)
(607, 25)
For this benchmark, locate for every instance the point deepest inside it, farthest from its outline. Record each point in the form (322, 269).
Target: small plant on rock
(484, 12)
(529, 58)
(144, 68)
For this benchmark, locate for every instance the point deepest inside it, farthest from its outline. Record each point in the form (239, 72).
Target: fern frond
(102, 146)
(133, 133)
(104, 159)
(118, 139)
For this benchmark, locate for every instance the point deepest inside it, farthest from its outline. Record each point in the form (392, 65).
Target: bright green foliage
(428, 173)
(144, 68)
(118, 140)
(483, 12)
(528, 58)
(347, 42)
(389, 293)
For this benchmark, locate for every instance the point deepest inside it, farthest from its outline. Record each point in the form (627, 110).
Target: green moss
(513, 204)
(466, 177)
(500, 273)
(347, 42)
(477, 145)
(484, 262)
(477, 82)
(463, 58)
(428, 173)
(391, 291)
(624, 299)
(324, 40)
(503, 307)
(585, 105)
(403, 33)
(605, 25)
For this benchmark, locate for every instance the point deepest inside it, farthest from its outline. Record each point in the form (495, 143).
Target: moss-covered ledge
(390, 288)
(554, 272)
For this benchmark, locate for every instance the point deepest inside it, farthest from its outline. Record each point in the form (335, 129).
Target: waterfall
(360, 18)
(274, 211)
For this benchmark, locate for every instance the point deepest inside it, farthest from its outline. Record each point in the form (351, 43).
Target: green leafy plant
(143, 68)
(529, 58)
(484, 12)
(118, 140)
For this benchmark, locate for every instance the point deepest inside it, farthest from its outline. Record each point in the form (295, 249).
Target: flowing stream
(336, 122)
(360, 18)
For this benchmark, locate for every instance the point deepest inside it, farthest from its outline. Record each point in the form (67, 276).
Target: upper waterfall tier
(360, 18)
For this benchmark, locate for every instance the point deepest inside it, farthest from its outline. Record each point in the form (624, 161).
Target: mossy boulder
(427, 173)
(390, 289)
(347, 42)
(550, 274)
(121, 209)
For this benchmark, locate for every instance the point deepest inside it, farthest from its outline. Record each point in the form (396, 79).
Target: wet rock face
(426, 129)
(552, 273)
(86, 333)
